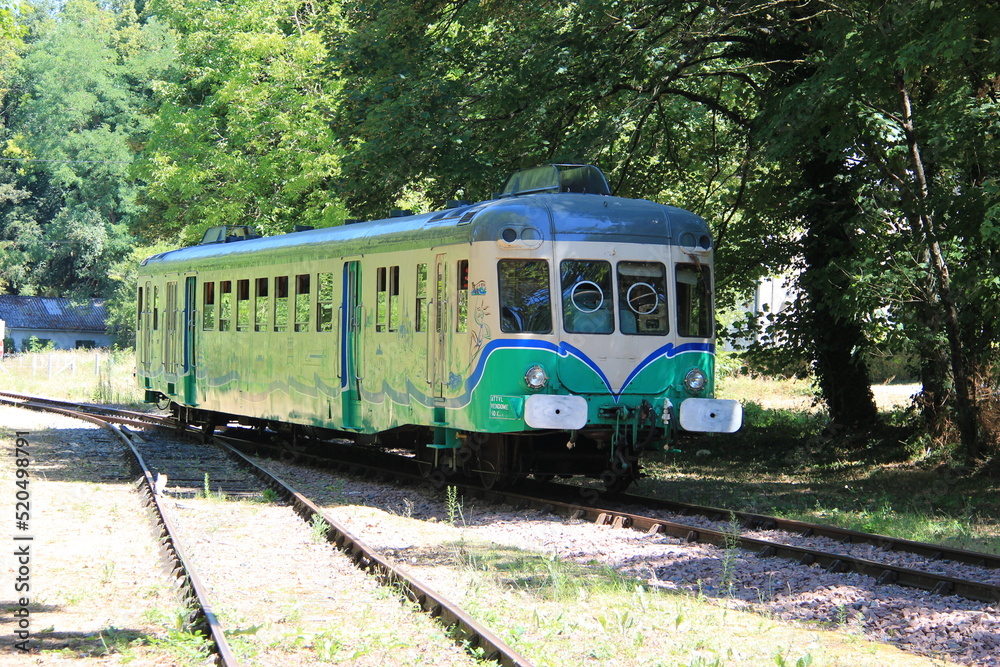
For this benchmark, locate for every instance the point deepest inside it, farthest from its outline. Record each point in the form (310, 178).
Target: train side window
(525, 298)
(393, 298)
(243, 305)
(381, 302)
(261, 304)
(462, 324)
(156, 307)
(302, 302)
(225, 305)
(642, 298)
(281, 303)
(324, 303)
(587, 296)
(208, 306)
(421, 310)
(694, 301)
(138, 312)
(440, 294)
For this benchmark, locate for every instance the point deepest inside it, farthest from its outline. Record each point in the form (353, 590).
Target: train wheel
(614, 483)
(425, 460)
(493, 461)
(624, 470)
(208, 429)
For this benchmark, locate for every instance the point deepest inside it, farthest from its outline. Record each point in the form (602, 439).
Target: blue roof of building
(53, 313)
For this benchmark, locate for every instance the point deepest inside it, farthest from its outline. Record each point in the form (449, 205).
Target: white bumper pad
(711, 415)
(562, 412)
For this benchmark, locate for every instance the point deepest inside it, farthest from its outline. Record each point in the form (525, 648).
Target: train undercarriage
(609, 454)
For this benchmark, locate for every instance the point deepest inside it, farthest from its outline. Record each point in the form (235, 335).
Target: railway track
(203, 617)
(692, 523)
(189, 469)
(699, 524)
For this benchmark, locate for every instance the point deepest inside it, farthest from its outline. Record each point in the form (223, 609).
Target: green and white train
(554, 330)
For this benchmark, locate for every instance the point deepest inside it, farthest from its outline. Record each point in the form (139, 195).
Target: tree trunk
(837, 338)
(965, 408)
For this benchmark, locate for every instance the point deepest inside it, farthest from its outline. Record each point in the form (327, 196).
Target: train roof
(564, 216)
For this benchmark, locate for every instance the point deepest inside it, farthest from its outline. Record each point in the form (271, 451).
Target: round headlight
(695, 380)
(536, 378)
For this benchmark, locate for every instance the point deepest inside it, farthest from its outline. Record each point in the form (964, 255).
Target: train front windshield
(630, 297)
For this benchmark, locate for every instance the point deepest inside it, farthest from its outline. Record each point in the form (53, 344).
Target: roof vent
(400, 213)
(228, 234)
(580, 178)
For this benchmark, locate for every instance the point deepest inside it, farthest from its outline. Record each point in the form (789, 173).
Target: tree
(901, 119)
(242, 131)
(75, 122)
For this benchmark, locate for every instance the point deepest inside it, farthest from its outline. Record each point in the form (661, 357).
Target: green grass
(786, 462)
(99, 376)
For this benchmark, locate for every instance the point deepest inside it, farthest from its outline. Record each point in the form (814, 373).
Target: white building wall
(63, 340)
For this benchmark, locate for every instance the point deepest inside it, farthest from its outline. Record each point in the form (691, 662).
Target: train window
(225, 305)
(156, 307)
(281, 303)
(302, 302)
(381, 302)
(462, 324)
(261, 304)
(138, 312)
(393, 298)
(324, 303)
(642, 298)
(440, 294)
(421, 311)
(694, 301)
(243, 305)
(208, 306)
(587, 296)
(525, 298)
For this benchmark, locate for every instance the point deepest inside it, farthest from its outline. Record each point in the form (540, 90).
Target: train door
(170, 313)
(350, 346)
(188, 361)
(146, 329)
(437, 351)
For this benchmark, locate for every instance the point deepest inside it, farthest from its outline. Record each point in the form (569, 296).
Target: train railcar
(553, 330)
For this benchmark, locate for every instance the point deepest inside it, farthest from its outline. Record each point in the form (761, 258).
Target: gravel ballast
(414, 527)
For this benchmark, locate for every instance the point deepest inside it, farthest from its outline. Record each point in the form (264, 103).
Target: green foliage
(452, 97)
(242, 131)
(75, 116)
(319, 528)
(36, 344)
(850, 146)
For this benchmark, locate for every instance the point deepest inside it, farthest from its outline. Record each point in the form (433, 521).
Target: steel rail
(194, 590)
(806, 529)
(883, 573)
(467, 630)
(113, 415)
